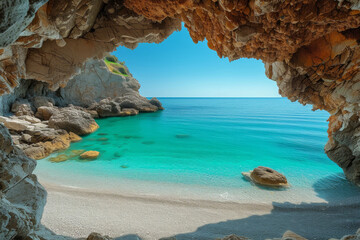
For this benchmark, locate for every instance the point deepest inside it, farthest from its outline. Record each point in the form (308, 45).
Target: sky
(178, 67)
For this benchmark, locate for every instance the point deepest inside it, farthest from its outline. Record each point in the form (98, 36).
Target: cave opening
(309, 48)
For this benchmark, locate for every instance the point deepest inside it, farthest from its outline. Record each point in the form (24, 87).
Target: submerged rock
(76, 152)
(267, 177)
(118, 155)
(89, 155)
(102, 139)
(182, 136)
(59, 158)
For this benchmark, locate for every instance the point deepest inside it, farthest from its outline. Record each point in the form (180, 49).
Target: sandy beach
(76, 212)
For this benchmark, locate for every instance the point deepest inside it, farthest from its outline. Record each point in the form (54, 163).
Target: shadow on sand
(339, 217)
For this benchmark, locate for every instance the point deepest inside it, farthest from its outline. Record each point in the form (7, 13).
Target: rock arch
(309, 47)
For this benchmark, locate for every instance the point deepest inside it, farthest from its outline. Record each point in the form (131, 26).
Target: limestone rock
(41, 101)
(26, 138)
(45, 113)
(108, 108)
(15, 124)
(89, 155)
(137, 102)
(23, 198)
(43, 142)
(16, 16)
(29, 119)
(73, 120)
(154, 101)
(96, 82)
(22, 107)
(128, 112)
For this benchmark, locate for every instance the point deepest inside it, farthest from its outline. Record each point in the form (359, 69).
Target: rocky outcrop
(22, 198)
(97, 82)
(46, 121)
(35, 137)
(73, 120)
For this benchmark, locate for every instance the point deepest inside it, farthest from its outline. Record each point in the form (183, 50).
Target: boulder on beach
(73, 120)
(89, 155)
(267, 177)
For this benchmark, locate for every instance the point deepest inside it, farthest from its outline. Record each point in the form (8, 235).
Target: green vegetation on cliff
(115, 66)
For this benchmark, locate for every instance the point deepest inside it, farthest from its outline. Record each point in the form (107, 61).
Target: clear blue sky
(178, 67)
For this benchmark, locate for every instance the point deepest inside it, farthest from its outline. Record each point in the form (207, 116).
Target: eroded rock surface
(96, 82)
(73, 120)
(22, 198)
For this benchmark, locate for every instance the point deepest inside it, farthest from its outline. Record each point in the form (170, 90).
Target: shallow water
(200, 146)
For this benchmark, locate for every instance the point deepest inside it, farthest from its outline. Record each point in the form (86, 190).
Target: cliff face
(22, 198)
(96, 82)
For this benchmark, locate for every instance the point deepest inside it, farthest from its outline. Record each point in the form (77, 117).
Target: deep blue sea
(200, 146)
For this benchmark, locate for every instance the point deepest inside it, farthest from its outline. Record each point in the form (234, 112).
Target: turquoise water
(206, 142)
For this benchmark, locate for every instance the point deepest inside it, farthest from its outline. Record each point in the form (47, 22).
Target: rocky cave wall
(309, 47)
